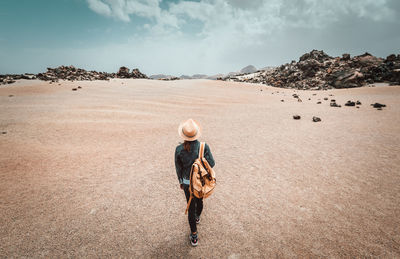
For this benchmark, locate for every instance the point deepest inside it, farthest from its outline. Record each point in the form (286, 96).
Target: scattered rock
(350, 103)
(333, 104)
(282, 100)
(296, 117)
(11, 95)
(378, 105)
(316, 119)
(318, 102)
(74, 89)
(295, 96)
(4, 132)
(358, 103)
(379, 109)
(79, 87)
(326, 98)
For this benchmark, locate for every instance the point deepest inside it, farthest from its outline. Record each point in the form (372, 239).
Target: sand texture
(90, 173)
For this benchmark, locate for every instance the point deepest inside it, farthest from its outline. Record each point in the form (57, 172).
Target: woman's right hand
(181, 185)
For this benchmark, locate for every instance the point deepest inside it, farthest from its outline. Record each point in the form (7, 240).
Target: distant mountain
(199, 76)
(161, 76)
(215, 77)
(248, 69)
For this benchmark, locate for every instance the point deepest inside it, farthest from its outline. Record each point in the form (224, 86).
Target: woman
(185, 155)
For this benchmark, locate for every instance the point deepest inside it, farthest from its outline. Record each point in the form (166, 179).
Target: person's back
(185, 155)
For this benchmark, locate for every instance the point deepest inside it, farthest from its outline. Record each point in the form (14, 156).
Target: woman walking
(185, 155)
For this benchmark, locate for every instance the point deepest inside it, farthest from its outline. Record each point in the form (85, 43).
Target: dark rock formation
(378, 105)
(72, 73)
(350, 103)
(317, 70)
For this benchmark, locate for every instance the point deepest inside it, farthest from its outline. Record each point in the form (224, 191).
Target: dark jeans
(195, 208)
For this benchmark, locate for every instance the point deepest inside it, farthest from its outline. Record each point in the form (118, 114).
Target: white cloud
(99, 7)
(232, 33)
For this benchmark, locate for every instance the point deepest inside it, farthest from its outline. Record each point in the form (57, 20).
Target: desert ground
(90, 173)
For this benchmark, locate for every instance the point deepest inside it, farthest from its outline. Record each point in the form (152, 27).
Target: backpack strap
(201, 150)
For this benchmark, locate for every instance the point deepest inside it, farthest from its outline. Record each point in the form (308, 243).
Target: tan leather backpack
(202, 178)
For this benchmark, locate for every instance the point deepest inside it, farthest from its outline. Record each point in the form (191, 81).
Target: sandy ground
(90, 173)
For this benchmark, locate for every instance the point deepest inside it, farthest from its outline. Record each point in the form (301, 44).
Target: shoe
(193, 239)
(197, 219)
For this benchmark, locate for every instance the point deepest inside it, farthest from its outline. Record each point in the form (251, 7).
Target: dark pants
(195, 208)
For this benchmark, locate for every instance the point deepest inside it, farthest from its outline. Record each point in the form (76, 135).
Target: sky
(189, 37)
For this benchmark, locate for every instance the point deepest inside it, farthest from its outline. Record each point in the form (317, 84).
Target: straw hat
(189, 130)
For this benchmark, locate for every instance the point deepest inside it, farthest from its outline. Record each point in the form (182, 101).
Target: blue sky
(187, 37)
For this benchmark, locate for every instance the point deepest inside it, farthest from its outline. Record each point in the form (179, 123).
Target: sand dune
(90, 172)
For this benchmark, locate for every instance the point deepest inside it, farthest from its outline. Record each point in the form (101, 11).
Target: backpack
(202, 178)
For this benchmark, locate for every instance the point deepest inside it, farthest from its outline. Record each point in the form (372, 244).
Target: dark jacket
(185, 159)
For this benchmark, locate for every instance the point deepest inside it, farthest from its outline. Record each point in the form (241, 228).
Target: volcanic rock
(316, 119)
(317, 70)
(350, 103)
(123, 72)
(296, 117)
(378, 105)
(346, 57)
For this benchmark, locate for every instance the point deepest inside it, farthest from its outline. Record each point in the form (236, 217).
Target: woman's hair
(186, 145)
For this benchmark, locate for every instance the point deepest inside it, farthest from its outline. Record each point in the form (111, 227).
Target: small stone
(282, 100)
(4, 132)
(326, 98)
(350, 103)
(358, 107)
(79, 87)
(358, 103)
(379, 109)
(295, 96)
(316, 119)
(296, 117)
(318, 102)
(333, 100)
(74, 89)
(378, 105)
(11, 95)
(309, 99)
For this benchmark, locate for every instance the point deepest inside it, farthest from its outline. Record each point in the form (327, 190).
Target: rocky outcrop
(72, 73)
(317, 70)
(9, 79)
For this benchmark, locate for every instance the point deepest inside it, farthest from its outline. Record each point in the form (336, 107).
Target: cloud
(99, 7)
(211, 36)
